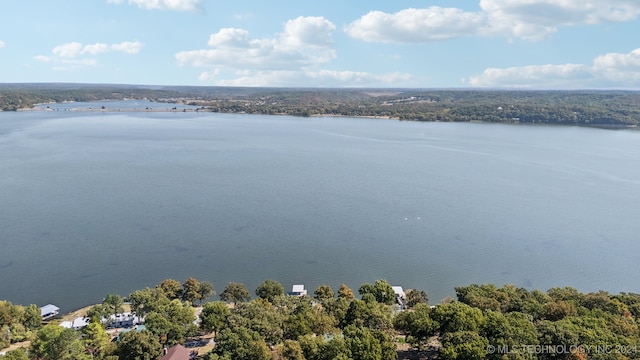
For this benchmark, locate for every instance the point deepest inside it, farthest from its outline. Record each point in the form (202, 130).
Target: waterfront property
(123, 320)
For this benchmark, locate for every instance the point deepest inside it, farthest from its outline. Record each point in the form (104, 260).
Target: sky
(533, 44)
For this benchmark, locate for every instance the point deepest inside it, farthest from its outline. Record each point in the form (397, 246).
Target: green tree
(17, 354)
(5, 336)
(381, 290)
(142, 345)
(241, 344)
(362, 343)
(418, 325)
(323, 292)
(54, 342)
(559, 309)
(171, 288)
(114, 303)
(566, 294)
(96, 341)
(172, 323)
(214, 316)
(262, 317)
(415, 297)
(235, 293)
(148, 300)
(337, 308)
(316, 348)
(205, 291)
(98, 312)
(457, 316)
(32, 318)
(368, 314)
(269, 289)
(291, 350)
(463, 345)
(321, 321)
(10, 313)
(191, 290)
(509, 330)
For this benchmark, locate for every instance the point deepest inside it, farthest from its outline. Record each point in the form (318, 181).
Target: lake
(99, 203)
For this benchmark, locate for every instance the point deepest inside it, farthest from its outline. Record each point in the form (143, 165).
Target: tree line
(561, 323)
(586, 107)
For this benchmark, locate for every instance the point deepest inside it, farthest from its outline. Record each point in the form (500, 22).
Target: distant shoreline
(384, 117)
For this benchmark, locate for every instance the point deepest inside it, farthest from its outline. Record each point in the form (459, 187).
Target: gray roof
(48, 309)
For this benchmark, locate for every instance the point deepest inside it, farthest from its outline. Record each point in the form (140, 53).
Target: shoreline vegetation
(383, 322)
(598, 108)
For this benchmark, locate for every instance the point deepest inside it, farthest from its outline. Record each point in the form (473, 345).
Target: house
(123, 320)
(177, 352)
(298, 290)
(77, 323)
(48, 311)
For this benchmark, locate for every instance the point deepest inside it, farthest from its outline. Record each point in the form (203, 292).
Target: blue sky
(546, 44)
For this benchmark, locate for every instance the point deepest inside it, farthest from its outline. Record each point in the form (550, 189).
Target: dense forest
(485, 322)
(587, 107)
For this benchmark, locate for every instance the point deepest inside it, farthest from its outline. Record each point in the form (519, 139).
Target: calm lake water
(99, 203)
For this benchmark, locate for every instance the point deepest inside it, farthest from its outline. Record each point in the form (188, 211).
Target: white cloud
(234, 49)
(416, 25)
(74, 49)
(1, 44)
(178, 5)
(42, 58)
(70, 64)
(531, 76)
(70, 55)
(525, 19)
(609, 70)
(230, 37)
(537, 19)
(309, 78)
(96, 48)
(291, 58)
(308, 31)
(128, 47)
(68, 50)
(618, 67)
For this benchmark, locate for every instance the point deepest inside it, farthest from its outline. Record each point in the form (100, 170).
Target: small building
(77, 323)
(298, 290)
(400, 296)
(49, 311)
(399, 292)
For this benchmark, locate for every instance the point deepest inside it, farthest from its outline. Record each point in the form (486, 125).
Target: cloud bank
(531, 20)
(1, 44)
(73, 54)
(614, 70)
(292, 58)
